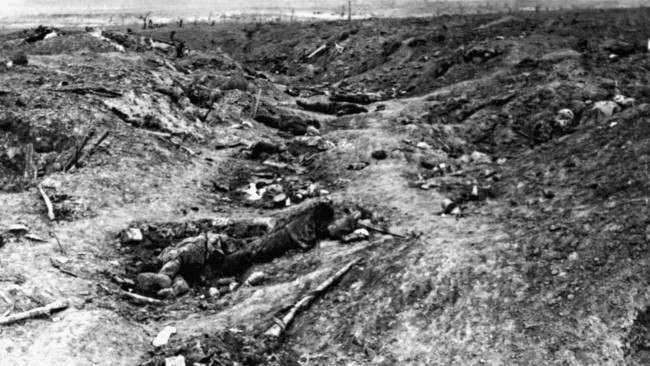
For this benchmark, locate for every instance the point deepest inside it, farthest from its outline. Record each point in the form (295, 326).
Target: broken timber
(48, 203)
(44, 310)
(281, 324)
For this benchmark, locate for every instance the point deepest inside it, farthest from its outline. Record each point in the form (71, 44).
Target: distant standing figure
(180, 49)
(171, 36)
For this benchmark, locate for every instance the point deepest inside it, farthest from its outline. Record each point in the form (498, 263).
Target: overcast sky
(10, 8)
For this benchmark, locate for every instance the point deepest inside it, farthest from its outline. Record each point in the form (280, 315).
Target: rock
(214, 292)
(280, 200)
(606, 108)
(480, 158)
(18, 229)
(233, 286)
(151, 282)
(456, 211)
(175, 361)
(357, 235)
(256, 278)
(564, 118)
(312, 131)
(265, 147)
(178, 288)
(447, 205)
(624, 101)
(423, 145)
(131, 235)
(379, 154)
(474, 194)
(163, 336)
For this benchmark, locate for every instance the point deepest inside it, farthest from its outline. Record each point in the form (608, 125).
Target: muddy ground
(510, 154)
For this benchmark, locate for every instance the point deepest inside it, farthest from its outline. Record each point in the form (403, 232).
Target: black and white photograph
(332, 182)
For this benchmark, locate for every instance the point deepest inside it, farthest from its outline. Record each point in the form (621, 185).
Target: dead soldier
(209, 255)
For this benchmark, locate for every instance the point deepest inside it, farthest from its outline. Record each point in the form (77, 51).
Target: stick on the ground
(77, 154)
(141, 299)
(58, 266)
(382, 231)
(48, 203)
(29, 162)
(96, 144)
(58, 242)
(44, 310)
(281, 324)
(257, 102)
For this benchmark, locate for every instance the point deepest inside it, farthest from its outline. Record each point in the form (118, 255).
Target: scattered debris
(139, 299)
(163, 336)
(18, 228)
(175, 361)
(131, 235)
(255, 278)
(356, 235)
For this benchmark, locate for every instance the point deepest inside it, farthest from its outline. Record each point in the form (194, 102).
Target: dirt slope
(545, 260)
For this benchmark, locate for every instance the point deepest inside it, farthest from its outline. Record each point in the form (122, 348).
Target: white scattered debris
(255, 278)
(175, 361)
(214, 292)
(18, 228)
(52, 34)
(132, 235)
(163, 337)
(624, 101)
(606, 108)
(480, 158)
(475, 191)
(356, 235)
(312, 131)
(252, 193)
(233, 286)
(564, 117)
